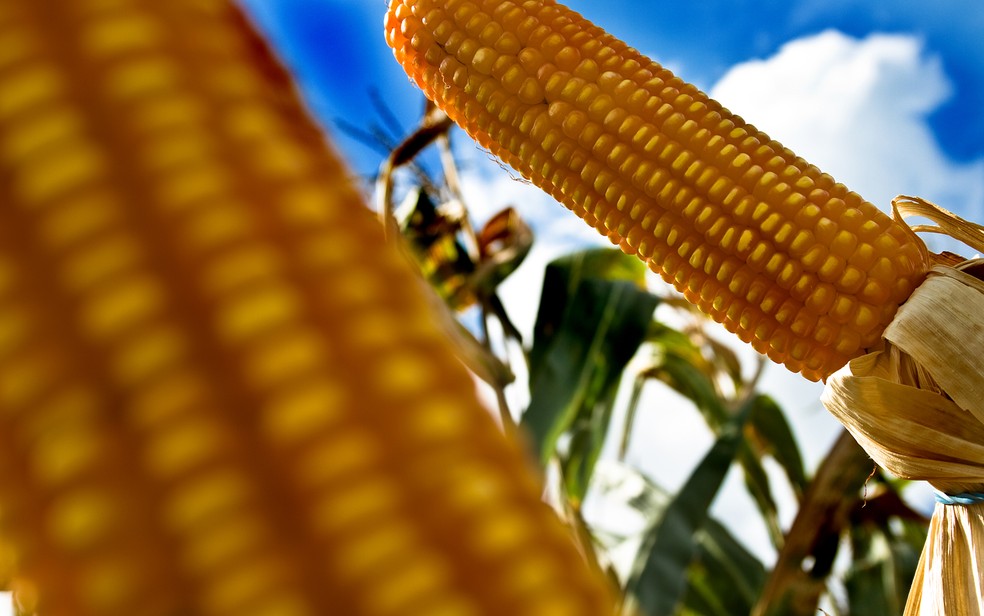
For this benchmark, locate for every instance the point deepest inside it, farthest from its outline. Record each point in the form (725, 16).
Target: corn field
(237, 379)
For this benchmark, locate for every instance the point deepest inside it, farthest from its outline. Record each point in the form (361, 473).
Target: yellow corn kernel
(624, 130)
(221, 391)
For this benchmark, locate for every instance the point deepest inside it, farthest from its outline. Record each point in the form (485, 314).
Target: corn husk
(916, 405)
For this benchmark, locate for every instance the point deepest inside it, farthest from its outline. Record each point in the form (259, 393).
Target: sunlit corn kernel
(900, 291)
(815, 257)
(759, 256)
(344, 507)
(121, 305)
(179, 447)
(24, 380)
(844, 243)
(303, 410)
(224, 542)
(70, 167)
(764, 327)
(803, 324)
(243, 582)
(821, 299)
(843, 309)
(803, 287)
(358, 555)
(40, 130)
(847, 342)
(831, 269)
(483, 60)
(529, 91)
(771, 301)
(148, 353)
(257, 310)
(62, 455)
(851, 280)
(787, 312)
(776, 227)
(79, 518)
(107, 584)
(865, 319)
(29, 87)
(191, 186)
(79, 219)
(789, 274)
(864, 256)
(216, 493)
(778, 344)
(491, 33)
(340, 454)
(401, 11)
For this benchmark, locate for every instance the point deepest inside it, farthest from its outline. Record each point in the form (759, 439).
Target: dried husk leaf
(951, 568)
(943, 329)
(916, 405)
(947, 223)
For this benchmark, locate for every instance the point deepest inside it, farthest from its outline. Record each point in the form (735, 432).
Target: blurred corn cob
(220, 391)
(805, 270)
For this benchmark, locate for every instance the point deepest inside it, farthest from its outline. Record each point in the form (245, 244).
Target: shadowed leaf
(776, 438)
(726, 578)
(659, 579)
(592, 318)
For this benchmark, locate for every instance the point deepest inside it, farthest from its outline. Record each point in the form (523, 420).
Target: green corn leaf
(726, 578)
(593, 316)
(777, 439)
(658, 582)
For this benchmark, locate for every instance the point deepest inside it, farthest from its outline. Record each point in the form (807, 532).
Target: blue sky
(337, 51)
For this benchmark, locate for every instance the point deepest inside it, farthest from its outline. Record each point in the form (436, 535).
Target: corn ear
(796, 264)
(221, 392)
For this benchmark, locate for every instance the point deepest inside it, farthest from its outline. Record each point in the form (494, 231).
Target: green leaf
(671, 342)
(659, 578)
(726, 578)
(776, 437)
(592, 318)
(685, 376)
(683, 368)
(604, 264)
(621, 484)
(726, 361)
(769, 433)
(871, 582)
(885, 558)
(760, 489)
(587, 439)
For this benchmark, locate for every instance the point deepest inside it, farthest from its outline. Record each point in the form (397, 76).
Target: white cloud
(858, 110)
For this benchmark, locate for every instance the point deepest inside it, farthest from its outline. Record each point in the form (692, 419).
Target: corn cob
(221, 392)
(791, 261)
